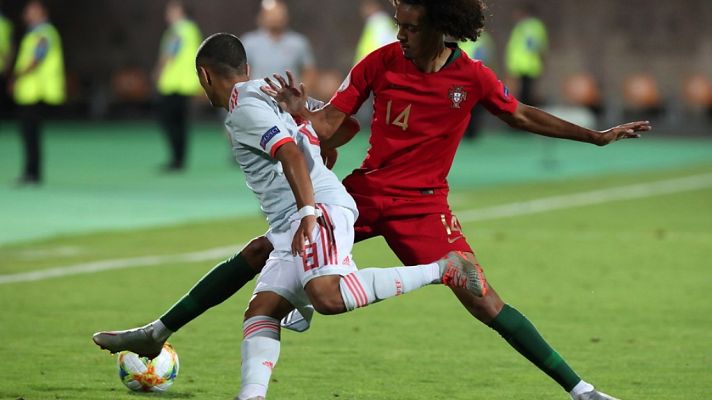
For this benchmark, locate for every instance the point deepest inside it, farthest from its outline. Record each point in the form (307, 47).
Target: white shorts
(328, 254)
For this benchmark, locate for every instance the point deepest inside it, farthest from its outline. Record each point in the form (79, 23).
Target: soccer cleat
(137, 340)
(594, 395)
(299, 319)
(456, 271)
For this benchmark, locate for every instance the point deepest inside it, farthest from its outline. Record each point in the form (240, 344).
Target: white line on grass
(628, 192)
(119, 263)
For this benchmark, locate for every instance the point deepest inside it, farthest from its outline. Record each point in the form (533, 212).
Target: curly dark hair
(460, 19)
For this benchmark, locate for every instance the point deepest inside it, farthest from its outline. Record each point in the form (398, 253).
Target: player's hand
(631, 130)
(303, 236)
(329, 156)
(291, 98)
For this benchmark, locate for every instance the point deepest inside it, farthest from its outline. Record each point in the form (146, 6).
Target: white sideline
(628, 192)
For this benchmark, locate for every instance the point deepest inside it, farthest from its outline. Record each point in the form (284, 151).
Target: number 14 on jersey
(402, 119)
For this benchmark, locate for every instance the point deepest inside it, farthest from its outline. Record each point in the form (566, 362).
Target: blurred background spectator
(483, 50)
(599, 60)
(5, 62)
(274, 48)
(177, 80)
(37, 82)
(526, 50)
(379, 28)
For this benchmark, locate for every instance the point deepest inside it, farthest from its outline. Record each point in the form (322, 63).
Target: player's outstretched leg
(370, 285)
(146, 341)
(212, 289)
(521, 334)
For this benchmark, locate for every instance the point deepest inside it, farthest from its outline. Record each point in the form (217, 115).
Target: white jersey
(257, 127)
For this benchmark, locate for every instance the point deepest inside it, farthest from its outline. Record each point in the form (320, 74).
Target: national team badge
(457, 96)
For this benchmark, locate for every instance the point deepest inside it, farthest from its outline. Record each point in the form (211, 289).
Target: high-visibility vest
(378, 31)
(482, 49)
(45, 83)
(5, 40)
(178, 75)
(525, 48)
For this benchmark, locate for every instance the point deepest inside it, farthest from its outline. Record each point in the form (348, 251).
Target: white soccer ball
(143, 375)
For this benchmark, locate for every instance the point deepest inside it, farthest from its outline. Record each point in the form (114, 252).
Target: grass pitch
(621, 289)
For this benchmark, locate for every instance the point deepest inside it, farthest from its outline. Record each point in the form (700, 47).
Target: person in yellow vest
(526, 50)
(37, 82)
(483, 50)
(378, 30)
(177, 81)
(5, 61)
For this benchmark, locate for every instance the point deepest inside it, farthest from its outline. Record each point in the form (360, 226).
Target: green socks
(516, 329)
(212, 289)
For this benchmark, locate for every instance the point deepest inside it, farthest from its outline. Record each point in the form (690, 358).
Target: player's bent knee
(325, 295)
(256, 252)
(328, 305)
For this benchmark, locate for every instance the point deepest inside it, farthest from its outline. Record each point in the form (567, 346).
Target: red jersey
(418, 118)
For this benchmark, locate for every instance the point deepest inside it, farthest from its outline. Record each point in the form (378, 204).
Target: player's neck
(226, 86)
(434, 63)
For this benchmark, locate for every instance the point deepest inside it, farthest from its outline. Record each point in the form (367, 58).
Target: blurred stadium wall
(611, 40)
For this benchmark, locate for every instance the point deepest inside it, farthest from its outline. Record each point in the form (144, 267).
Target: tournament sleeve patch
(271, 133)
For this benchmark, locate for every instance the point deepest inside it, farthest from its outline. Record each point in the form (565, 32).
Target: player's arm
(293, 99)
(344, 133)
(297, 174)
(537, 121)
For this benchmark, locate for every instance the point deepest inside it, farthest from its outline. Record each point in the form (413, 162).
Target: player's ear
(248, 69)
(204, 75)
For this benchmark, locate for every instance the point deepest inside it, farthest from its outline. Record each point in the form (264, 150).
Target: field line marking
(535, 206)
(628, 192)
(119, 263)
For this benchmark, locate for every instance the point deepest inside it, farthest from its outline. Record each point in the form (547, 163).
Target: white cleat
(594, 395)
(137, 340)
(299, 319)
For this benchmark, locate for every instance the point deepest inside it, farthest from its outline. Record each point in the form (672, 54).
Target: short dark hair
(224, 53)
(460, 19)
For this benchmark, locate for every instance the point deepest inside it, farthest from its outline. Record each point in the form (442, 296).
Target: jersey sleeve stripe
(279, 144)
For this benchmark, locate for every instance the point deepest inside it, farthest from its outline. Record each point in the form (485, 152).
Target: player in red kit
(424, 90)
(419, 119)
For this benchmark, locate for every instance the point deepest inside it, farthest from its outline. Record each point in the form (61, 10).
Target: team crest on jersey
(457, 96)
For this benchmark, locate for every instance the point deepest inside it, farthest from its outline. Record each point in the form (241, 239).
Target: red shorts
(416, 238)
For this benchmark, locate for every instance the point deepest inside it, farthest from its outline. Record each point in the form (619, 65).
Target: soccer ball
(143, 375)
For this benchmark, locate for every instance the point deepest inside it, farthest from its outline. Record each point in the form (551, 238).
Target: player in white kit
(310, 218)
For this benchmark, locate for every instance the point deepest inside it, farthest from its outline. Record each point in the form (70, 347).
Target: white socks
(370, 285)
(580, 388)
(260, 346)
(260, 351)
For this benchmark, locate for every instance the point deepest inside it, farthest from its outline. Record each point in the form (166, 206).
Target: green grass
(621, 289)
